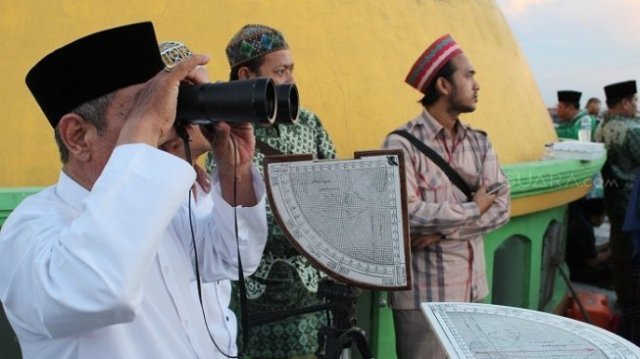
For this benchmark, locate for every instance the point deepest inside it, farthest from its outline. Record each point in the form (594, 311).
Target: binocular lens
(288, 103)
(236, 101)
(256, 100)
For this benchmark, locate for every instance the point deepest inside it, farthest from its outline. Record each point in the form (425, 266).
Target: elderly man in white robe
(102, 265)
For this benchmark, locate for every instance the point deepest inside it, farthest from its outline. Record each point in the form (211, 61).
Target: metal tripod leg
(337, 340)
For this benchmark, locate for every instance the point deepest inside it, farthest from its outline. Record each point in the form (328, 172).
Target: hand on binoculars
(199, 75)
(232, 145)
(153, 112)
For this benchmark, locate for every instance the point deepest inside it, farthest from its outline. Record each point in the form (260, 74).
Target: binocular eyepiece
(256, 100)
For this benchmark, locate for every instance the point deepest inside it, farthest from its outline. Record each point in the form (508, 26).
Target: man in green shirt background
(571, 116)
(284, 280)
(593, 108)
(620, 133)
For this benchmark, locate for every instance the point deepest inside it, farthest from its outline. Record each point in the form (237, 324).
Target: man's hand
(424, 240)
(483, 200)
(153, 113)
(232, 145)
(202, 177)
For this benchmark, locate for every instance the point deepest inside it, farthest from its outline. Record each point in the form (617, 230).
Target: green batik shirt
(621, 138)
(570, 129)
(284, 279)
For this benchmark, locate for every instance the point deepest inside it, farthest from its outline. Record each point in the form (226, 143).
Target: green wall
(524, 277)
(523, 293)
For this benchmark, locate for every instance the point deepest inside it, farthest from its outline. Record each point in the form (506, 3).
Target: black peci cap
(569, 96)
(94, 66)
(620, 90)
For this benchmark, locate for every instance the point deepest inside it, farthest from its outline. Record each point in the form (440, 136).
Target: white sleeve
(216, 234)
(70, 270)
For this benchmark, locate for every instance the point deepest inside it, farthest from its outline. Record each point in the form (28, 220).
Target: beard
(461, 106)
(458, 104)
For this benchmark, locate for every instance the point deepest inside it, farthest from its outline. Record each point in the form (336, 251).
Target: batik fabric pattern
(284, 279)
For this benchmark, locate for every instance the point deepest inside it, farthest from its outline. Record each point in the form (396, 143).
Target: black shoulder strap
(454, 177)
(266, 149)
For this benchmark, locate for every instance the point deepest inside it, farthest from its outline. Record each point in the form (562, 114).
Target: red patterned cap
(431, 61)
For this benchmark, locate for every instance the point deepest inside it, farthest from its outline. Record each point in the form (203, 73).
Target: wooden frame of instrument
(404, 215)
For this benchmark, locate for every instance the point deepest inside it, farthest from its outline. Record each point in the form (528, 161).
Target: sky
(580, 45)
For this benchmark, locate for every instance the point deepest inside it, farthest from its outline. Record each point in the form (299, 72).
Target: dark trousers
(621, 251)
(414, 337)
(626, 281)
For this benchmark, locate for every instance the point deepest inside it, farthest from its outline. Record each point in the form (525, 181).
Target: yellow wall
(351, 59)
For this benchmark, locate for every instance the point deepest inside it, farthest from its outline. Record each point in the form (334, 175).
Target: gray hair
(93, 111)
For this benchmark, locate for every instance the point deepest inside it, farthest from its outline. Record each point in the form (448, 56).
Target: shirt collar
(70, 191)
(432, 128)
(579, 115)
(609, 116)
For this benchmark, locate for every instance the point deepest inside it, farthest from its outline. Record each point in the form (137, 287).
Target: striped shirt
(453, 269)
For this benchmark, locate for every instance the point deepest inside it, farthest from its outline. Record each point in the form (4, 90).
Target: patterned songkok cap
(253, 41)
(94, 66)
(431, 61)
(173, 52)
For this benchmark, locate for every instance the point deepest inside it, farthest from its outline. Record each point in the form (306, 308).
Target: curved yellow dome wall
(351, 59)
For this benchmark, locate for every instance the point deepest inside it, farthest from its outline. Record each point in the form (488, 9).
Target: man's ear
(244, 73)
(443, 86)
(76, 135)
(628, 101)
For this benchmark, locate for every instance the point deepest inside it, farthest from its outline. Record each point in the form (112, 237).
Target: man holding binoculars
(103, 264)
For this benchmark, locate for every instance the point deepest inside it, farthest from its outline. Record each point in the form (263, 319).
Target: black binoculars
(256, 100)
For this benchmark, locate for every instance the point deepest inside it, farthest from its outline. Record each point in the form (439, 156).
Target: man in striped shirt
(447, 227)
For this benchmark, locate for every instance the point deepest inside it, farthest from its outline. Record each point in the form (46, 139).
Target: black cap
(94, 66)
(569, 96)
(620, 90)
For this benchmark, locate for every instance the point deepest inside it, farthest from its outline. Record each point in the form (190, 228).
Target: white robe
(108, 273)
(216, 295)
